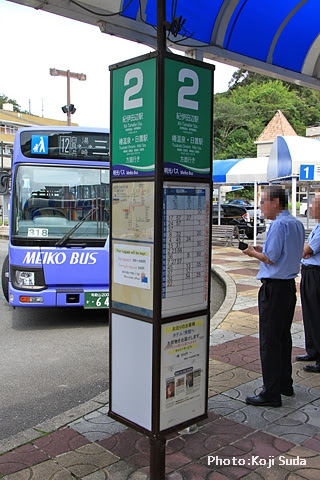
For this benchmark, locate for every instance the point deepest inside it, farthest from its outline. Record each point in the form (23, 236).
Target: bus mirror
(4, 183)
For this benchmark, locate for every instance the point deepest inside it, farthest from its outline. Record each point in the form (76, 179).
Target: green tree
(5, 99)
(230, 124)
(241, 113)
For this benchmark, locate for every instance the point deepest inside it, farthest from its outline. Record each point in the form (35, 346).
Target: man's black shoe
(258, 401)
(288, 393)
(305, 358)
(312, 368)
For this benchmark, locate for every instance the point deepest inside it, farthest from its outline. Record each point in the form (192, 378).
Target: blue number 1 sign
(307, 172)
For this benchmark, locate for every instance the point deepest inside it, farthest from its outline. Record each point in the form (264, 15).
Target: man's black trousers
(277, 300)
(310, 301)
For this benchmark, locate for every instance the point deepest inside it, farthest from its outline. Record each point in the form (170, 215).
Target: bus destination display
(65, 145)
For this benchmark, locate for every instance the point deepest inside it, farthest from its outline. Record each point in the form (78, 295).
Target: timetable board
(185, 251)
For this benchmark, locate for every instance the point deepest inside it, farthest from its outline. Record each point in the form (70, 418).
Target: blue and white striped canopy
(286, 156)
(288, 153)
(240, 171)
(277, 37)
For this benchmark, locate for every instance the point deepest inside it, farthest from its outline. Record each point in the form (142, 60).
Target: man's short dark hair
(277, 191)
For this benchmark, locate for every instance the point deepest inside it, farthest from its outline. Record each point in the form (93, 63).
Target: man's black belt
(307, 267)
(267, 280)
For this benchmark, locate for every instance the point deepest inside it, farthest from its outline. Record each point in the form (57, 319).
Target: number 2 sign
(187, 119)
(133, 119)
(187, 106)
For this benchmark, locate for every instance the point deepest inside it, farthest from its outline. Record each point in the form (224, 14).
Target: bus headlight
(25, 279)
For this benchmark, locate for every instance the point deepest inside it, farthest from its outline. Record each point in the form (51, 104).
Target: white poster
(132, 265)
(183, 371)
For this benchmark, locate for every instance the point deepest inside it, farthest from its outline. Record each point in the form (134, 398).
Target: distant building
(10, 122)
(278, 125)
(313, 131)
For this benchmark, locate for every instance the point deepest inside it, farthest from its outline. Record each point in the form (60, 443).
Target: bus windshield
(53, 204)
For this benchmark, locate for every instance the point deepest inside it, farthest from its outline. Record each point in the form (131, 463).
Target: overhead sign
(309, 172)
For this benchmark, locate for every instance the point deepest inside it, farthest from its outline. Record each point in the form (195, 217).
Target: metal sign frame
(139, 360)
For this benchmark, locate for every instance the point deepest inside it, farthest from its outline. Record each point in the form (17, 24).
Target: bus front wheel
(5, 278)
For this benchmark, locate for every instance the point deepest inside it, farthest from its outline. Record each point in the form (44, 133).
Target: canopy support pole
(219, 203)
(294, 197)
(255, 198)
(308, 205)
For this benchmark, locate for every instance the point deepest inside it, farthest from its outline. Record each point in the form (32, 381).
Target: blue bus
(59, 219)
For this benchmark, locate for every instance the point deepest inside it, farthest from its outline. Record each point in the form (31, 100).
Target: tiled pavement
(236, 441)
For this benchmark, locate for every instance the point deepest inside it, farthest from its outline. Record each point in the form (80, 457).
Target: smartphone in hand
(243, 245)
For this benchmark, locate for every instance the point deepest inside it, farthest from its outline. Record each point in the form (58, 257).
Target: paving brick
(86, 459)
(60, 441)
(43, 471)
(21, 458)
(122, 444)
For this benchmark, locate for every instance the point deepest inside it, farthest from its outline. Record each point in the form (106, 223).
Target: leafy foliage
(5, 99)
(247, 193)
(241, 113)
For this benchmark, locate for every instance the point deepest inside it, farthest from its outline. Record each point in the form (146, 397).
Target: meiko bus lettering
(59, 225)
(59, 258)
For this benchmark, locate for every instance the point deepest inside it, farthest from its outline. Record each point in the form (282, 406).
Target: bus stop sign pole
(160, 243)
(158, 442)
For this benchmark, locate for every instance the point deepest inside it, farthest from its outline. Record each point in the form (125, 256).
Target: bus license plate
(96, 300)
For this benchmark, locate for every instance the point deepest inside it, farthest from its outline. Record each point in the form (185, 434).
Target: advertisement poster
(188, 119)
(185, 253)
(183, 371)
(133, 119)
(132, 265)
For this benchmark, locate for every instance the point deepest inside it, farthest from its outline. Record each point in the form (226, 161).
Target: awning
(244, 171)
(288, 153)
(277, 37)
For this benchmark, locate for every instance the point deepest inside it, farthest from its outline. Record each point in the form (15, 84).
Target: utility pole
(69, 108)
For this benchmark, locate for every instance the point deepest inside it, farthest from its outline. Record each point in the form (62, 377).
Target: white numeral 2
(188, 89)
(128, 102)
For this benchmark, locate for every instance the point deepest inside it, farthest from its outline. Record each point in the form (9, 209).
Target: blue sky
(34, 41)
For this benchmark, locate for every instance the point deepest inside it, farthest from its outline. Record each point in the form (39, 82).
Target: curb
(229, 299)
(54, 423)
(100, 400)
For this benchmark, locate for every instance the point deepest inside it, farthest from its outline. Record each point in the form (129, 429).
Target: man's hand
(256, 252)
(307, 251)
(250, 251)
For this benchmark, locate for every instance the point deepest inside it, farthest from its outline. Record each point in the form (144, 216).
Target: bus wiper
(73, 229)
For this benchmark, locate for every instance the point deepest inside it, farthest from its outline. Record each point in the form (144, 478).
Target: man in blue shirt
(279, 265)
(310, 291)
